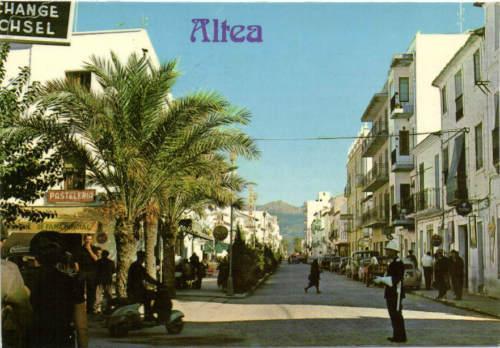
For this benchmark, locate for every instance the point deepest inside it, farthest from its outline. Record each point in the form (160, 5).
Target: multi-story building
(314, 228)
(340, 224)
(376, 204)
(356, 166)
(414, 113)
(467, 84)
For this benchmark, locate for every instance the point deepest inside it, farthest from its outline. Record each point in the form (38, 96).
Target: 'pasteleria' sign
(42, 22)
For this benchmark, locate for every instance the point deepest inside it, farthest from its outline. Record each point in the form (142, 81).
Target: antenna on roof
(461, 16)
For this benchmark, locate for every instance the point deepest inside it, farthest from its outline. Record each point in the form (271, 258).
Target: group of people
(442, 271)
(190, 273)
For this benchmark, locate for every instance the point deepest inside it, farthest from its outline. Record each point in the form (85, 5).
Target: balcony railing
(400, 109)
(401, 212)
(376, 138)
(376, 177)
(347, 191)
(427, 199)
(375, 216)
(401, 163)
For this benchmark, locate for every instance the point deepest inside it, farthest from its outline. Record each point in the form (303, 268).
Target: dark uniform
(394, 297)
(457, 275)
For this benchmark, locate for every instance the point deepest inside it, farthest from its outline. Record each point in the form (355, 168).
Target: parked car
(412, 277)
(335, 263)
(325, 261)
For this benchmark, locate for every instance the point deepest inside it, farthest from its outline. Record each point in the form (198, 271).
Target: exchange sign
(36, 21)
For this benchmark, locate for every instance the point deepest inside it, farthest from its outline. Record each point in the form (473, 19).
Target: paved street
(280, 314)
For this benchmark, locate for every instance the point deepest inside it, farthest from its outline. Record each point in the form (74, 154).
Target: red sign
(71, 196)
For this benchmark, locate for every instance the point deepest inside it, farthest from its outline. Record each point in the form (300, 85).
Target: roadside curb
(223, 295)
(455, 304)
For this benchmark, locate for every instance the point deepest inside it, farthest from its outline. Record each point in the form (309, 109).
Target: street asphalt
(279, 313)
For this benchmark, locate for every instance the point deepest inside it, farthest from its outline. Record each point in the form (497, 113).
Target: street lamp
(230, 289)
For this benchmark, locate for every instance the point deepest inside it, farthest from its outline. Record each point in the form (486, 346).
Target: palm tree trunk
(126, 247)
(150, 232)
(168, 269)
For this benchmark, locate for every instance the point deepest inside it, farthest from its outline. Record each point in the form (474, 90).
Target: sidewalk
(209, 289)
(477, 303)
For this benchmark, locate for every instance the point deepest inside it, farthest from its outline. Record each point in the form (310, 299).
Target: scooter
(132, 317)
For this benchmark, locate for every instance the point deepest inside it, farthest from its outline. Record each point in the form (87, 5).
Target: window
(404, 142)
(82, 77)
(74, 173)
(404, 89)
(444, 106)
(459, 107)
(495, 134)
(456, 183)
(477, 67)
(497, 34)
(445, 162)
(479, 146)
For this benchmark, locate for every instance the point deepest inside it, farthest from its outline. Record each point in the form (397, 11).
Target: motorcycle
(129, 317)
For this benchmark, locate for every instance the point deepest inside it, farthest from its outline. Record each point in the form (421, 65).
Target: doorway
(463, 250)
(480, 255)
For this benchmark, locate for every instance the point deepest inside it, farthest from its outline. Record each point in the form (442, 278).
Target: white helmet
(392, 245)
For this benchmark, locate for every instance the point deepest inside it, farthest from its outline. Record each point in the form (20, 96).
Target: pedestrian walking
(394, 292)
(427, 261)
(87, 262)
(441, 274)
(314, 277)
(457, 274)
(105, 270)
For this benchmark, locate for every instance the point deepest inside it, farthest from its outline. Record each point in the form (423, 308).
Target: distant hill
(291, 220)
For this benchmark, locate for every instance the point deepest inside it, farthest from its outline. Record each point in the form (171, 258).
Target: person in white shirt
(427, 262)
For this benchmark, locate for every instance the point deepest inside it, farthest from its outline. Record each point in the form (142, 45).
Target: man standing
(105, 271)
(457, 274)
(427, 265)
(441, 274)
(87, 262)
(371, 269)
(394, 292)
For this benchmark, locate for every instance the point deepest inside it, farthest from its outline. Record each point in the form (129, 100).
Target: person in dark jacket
(136, 285)
(314, 277)
(57, 297)
(441, 274)
(394, 292)
(87, 261)
(457, 274)
(105, 270)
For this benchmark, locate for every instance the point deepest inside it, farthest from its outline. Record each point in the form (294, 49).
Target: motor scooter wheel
(118, 331)
(175, 328)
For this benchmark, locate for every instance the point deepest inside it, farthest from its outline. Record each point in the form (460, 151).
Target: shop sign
(41, 22)
(80, 226)
(220, 232)
(71, 196)
(464, 208)
(436, 240)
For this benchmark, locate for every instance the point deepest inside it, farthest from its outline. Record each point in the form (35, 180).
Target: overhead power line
(437, 133)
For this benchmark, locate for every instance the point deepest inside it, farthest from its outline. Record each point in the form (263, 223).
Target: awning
(452, 180)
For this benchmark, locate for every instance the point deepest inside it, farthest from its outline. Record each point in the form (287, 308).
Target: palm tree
(136, 142)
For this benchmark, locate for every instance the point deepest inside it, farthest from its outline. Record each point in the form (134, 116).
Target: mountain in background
(290, 218)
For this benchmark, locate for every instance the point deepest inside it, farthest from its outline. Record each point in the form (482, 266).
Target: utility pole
(230, 289)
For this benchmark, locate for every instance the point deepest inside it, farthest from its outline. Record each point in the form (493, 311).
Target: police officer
(394, 292)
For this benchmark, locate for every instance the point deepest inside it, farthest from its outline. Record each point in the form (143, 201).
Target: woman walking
(314, 277)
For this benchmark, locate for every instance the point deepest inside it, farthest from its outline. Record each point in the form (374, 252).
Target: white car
(412, 277)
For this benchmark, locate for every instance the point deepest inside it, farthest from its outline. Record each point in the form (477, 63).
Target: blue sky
(313, 74)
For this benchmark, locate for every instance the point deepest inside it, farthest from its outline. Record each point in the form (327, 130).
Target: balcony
(400, 110)
(401, 60)
(347, 191)
(375, 139)
(401, 211)
(376, 177)
(376, 104)
(359, 180)
(374, 217)
(400, 163)
(427, 201)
